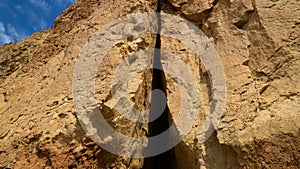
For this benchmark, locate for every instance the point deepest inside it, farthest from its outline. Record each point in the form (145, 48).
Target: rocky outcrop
(259, 45)
(258, 42)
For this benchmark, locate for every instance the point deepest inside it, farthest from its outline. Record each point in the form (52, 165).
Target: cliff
(259, 46)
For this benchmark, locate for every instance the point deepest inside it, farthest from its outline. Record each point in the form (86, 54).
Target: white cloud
(41, 4)
(19, 8)
(8, 34)
(11, 30)
(43, 24)
(38, 22)
(4, 38)
(2, 28)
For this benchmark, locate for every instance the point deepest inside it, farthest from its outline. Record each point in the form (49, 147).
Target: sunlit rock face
(259, 46)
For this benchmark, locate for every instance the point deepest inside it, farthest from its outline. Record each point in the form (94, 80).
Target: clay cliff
(258, 42)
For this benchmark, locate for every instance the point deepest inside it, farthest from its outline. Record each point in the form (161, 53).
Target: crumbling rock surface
(259, 45)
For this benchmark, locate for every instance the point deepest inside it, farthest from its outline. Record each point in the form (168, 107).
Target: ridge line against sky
(21, 18)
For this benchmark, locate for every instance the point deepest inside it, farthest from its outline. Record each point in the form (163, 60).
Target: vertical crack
(165, 160)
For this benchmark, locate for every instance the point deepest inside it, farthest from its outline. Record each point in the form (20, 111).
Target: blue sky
(21, 18)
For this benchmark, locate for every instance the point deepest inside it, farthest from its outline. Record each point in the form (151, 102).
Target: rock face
(259, 45)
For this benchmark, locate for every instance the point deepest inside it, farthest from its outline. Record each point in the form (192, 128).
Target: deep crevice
(165, 160)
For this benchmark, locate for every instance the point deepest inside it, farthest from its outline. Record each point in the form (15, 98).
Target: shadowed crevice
(165, 160)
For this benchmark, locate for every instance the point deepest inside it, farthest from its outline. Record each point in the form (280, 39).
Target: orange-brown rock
(259, 45)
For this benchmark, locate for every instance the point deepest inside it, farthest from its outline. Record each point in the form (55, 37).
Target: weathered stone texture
(258, 42)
